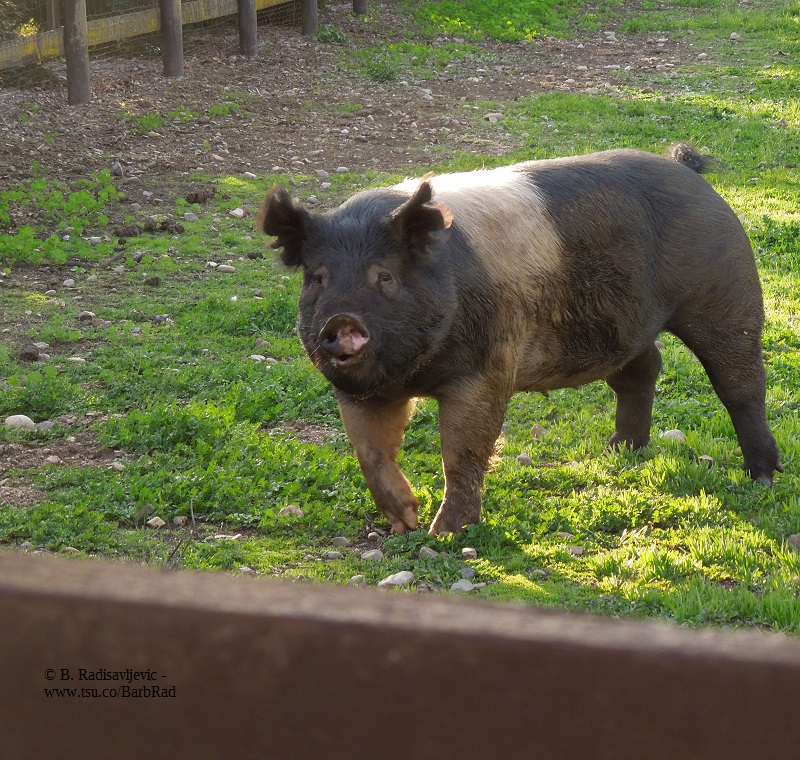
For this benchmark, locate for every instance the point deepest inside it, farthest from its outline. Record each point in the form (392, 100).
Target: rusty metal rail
(210, 666)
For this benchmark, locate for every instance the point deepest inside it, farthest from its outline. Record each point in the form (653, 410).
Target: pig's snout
(343, 337)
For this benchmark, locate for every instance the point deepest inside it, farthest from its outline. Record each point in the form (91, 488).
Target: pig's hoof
(451, 522)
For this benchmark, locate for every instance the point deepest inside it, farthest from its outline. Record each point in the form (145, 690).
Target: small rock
(373, 536)
(69, 283)
(249, 175)
(332, 555)
(257, 357)
(25, 546)
(245, 570)
(321, 174)
(493, 118)
(372, 555)
(674, 435)
(459, 587)
(53, 459)
(118, 466)
(226, 268)
(538, 574)
(41, 345)
(426, 552)
(46, 425)
(356, 580)
(156, 522)
(86, 316)
(403, 578)
(342, 169)
(70, 550)
(793, 541)
(467, 572)
(736, 37)
(576, 551)
(76, 359)
(659, 345)
(180, 521)
(342, 541)
(469, 553)
(291, 509)
(261, 343)
(537, 431)
(706, 460)
(50, 292)
(20, 422)
(525, 460)
(190, 217)
(565, 535)
(237, 213)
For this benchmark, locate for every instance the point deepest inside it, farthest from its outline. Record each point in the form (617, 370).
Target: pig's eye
(317, 278)
(384, 277)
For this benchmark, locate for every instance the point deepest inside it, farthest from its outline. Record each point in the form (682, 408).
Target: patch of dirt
(299, 108)
(79, 450)
(305, 432)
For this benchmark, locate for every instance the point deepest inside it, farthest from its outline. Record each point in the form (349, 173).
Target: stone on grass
(426, 552)
(156, 522)
(706, 460)
(537, 431)
(793, 541)
(467, 572)
(227, 268)
(332, 555)
(576, 551)
(372, 555)
(20, 422)
(180, 520)
(403, 578)
(674, 435)
(462, 586)
(356, 580)
(291, 509)
(45, 425)
(469, 553)
(341, 541)
(525, 460)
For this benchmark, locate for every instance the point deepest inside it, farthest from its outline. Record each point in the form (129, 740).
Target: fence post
(53, 15)
(76, 52)
(172, 37)
(360, 7)
(248, 28)
(310, 16)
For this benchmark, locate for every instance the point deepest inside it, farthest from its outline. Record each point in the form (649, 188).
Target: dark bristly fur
(548, 274)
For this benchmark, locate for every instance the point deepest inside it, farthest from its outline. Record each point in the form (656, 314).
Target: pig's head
(376, 301)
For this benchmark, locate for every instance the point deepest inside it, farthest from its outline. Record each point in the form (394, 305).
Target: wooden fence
(102, 660)
(77, 35)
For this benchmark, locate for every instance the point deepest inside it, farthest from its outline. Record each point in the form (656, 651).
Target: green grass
(212, 435)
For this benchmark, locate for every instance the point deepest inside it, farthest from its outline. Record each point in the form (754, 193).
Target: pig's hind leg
(635, 385)
(730, 350)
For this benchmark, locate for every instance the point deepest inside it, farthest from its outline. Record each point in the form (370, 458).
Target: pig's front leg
(470, 418)
(376, 432)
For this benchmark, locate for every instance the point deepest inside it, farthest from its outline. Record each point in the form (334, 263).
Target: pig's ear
(288, 221)
(417, 220)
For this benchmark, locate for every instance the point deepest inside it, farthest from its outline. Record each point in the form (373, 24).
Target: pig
(470, 287)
